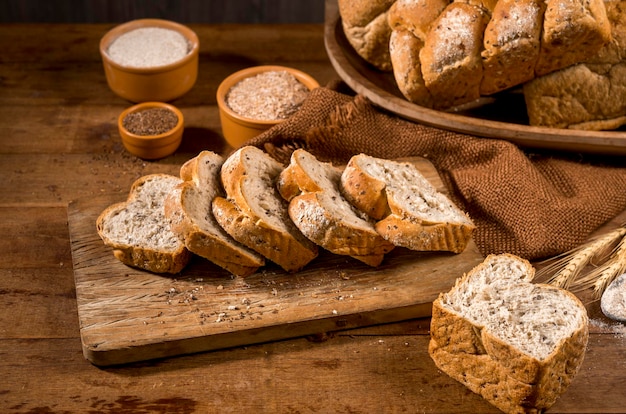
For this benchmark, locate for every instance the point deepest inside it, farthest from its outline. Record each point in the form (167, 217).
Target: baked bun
(587, 96)
(511, 44)
(447, 54)
(515, 343)
(451, 62)
(365, 25)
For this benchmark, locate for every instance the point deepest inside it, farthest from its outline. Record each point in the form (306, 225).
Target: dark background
(183, 11)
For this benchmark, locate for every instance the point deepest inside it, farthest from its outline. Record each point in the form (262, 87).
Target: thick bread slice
(323, 215)
(188, 207)
(411, 212)
(512, 40)
(451, 62)
(365, 25)
(582, 23)
(255, 214)
(138, 230)
(517, 344)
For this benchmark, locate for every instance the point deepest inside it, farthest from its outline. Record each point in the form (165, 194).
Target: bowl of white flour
(150, 60)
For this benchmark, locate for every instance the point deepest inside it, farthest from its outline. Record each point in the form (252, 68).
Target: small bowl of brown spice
(151, 130)
(255, 99)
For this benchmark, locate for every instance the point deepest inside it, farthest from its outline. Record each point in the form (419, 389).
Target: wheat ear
(601, 277)
(571, 265)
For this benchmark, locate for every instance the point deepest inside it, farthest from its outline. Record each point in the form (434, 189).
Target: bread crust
(508, 378)
(188, 207)
(141, 254)
(421, 236)
(282, 249)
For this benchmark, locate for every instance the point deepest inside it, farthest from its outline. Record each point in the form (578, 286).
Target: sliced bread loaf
(323, 215)
(411, 212)
(517, 344)
(254, 213)
(189, 209)
(138, 230)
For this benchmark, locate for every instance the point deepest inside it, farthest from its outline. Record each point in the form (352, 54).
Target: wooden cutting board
(128, 315)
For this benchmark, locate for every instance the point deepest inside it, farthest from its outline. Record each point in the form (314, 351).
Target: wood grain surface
(129, 315)
(59, 145)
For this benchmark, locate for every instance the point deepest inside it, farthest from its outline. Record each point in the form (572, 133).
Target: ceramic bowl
(156, 83)
(238, 129)
(151, 147)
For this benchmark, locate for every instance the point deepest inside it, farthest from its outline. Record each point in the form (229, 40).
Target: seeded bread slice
(323, 215)
(188, 207)
(254, 213)
(515, 343)
(411, 212)
(138, 230)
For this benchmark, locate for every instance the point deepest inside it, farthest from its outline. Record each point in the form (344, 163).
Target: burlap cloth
(532, 205)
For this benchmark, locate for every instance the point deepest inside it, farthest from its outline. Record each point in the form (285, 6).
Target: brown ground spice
(152, 121)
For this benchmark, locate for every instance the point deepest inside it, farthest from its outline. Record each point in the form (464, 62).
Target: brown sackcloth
(534, 206)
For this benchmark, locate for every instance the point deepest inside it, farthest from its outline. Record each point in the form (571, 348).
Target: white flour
(148, 47)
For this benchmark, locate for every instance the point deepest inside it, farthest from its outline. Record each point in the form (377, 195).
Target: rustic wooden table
(58, 143)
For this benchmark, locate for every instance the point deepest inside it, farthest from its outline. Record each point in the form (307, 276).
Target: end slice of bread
(323, 215)
(138, 230)
(411, 212)
(189, 209)
(515, 343)
(255, 214)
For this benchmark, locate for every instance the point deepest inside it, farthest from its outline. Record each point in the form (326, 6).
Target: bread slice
(255, 214)
(411, 212)
(322, 214)
(451, 61)
(581, 23)
(188, 207)
(515, 343)
(512, 41)
(138, 230)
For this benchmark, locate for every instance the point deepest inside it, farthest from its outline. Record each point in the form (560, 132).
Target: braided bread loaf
(447, 53)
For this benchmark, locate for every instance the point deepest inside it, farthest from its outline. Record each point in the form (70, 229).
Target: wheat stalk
(570, 265)
(601, 277)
